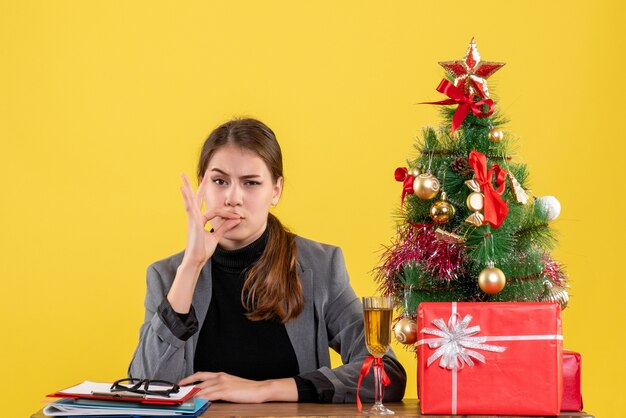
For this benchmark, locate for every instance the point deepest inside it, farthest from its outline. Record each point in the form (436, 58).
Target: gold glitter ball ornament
(491, 280)
(406, 331)
(442, 211)
(426, 186)
(496, 135)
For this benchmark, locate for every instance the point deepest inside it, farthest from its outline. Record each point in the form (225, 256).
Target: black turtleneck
(229, 342)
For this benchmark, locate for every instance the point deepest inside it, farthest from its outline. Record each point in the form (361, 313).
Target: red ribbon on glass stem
(466, 104)
(402, 174)
(495, 208)
(365, 369)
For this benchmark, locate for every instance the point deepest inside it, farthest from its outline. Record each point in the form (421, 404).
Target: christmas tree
(469, 228)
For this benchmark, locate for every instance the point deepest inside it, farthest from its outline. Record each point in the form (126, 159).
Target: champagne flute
(377, 313)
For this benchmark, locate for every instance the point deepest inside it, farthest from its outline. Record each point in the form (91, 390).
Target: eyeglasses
(145, 387)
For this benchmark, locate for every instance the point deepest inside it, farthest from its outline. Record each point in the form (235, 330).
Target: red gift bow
(402, 174)
(365, 369)
(466, 104)
(495, 208)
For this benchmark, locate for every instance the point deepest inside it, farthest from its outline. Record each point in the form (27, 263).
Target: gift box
(572, 396)
(489, 358)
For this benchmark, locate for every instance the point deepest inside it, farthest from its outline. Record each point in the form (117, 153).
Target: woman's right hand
(201, 243)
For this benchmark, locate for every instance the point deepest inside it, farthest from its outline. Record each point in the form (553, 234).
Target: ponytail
(272, 289)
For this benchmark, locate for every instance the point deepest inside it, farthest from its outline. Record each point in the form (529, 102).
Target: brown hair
(272, 289)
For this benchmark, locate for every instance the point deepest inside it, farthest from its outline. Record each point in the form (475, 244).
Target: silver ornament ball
(551, 206)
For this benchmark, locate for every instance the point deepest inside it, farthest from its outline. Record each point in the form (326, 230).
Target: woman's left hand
(226, 387)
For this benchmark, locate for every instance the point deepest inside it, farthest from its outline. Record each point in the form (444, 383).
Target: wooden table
(406, 408)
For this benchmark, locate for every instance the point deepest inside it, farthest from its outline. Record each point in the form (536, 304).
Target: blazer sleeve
(344, 323)
(160, 353)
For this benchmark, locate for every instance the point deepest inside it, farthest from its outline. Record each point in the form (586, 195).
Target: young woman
(248, 310)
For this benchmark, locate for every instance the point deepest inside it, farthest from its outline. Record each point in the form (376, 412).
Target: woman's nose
(234, 196)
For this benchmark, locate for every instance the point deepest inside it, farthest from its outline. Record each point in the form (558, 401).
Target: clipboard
(101, 391)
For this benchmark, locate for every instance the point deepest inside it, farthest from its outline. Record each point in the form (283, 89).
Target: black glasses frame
(142, 386)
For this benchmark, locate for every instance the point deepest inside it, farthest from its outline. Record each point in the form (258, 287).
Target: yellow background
(104, 104)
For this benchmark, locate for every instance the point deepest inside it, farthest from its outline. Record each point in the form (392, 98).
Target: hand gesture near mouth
(201, 243)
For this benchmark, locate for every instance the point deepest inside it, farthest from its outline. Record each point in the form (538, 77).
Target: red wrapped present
(572, 396)
(489, 358)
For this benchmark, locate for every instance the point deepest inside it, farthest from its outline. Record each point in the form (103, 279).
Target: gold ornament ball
(441, 212)
(406, 331)
(426, 186)
(491, 280)
(475, 201)
(496, 135)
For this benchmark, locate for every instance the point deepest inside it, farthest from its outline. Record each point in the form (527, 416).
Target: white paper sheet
(87, 387)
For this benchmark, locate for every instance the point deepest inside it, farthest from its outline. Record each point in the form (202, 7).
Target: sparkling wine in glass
(377, 313)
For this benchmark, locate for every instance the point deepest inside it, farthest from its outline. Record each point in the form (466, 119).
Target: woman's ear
(277, 191)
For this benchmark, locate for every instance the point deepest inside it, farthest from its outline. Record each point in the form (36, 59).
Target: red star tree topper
(470, 73)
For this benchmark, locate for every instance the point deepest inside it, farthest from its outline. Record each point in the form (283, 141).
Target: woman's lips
(237, 216)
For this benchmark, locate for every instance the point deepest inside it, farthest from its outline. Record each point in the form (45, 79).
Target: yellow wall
(104, 104)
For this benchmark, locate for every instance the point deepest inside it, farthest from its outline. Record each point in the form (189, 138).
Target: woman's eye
(252, 183)
(219, 182)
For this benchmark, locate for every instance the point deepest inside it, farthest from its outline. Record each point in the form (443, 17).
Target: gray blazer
(332, 317)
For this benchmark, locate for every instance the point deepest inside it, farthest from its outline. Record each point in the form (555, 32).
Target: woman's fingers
(222, 213)
(196, 377)
(191, 205)
(211, 388)
(226, 226)
(209, 393)
(219, 213)
(187, 183)
(186, 199)
(194, 197)
(201, 190)
(222, 386)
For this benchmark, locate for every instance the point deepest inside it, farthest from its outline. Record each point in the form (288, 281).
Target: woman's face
(240, 182)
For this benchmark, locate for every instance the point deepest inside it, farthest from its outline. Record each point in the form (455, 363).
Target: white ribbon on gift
(457, 343)
(456, 340)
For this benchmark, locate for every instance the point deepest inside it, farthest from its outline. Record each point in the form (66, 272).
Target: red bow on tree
(402, 174)
(466, 104)
(495, 208)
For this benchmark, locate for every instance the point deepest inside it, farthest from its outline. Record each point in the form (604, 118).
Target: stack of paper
(92, 399)
(111, 409)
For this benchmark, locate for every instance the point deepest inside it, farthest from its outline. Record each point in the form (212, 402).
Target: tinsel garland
(553, 270)
(418, 244)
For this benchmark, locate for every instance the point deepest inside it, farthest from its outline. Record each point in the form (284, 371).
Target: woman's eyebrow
(246, 177)
(219, 171)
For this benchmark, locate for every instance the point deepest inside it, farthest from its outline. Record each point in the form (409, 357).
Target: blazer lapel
(299, 330)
